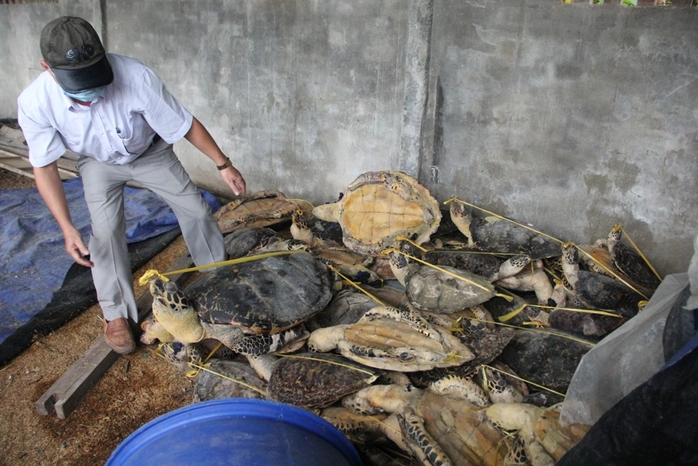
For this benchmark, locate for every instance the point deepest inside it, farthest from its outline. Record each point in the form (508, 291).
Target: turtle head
(168, 298)
(570, 254)
(615, 234)
(399, 264)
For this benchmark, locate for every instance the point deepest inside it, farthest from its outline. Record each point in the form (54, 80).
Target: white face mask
(88, 95)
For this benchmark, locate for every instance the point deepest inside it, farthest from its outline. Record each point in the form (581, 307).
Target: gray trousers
(159, 170)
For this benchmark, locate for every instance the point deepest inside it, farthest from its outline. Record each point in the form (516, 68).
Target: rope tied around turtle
(611, 272)
(149, 274)
(484, 376)
(240, 382)
(354, 284)
(503, 218)
(440, 269)
(310, 358)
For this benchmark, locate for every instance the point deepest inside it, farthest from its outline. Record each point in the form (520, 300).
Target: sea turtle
(253, 307)
(301, 229)
(628, 262)
(243, 240)
(486, 265)
(438, 289)
(351, 264)
(474, 330)
(496, 234)
(516, 311)
(392, 339)
(259, 209)
(544, 440)
(228, 379)
(547, 358)
(597, 291)
(347, 307)
(311, 380)
(378, 207)
(437, 428)
(530, 279)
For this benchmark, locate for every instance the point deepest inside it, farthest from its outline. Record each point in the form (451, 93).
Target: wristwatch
(225, 164)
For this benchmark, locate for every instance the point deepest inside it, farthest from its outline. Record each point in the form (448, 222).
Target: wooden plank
(67, 392)
(17, 163)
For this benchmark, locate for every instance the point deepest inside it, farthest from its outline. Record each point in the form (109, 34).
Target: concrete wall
(295, 92)
(570, 117)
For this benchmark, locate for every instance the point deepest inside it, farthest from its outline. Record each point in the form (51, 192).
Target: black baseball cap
(72, 49)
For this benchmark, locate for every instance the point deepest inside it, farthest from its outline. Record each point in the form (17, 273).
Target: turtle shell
(317, 380)
(380, 206)
(589, 325)
(242, 241)
(463, 431)
(547, 358)
(347, 307)
(495, 234)
(211, 386)
(260, 209)
(434, 290)
(265, 296)
(484, 265)
(599, 291)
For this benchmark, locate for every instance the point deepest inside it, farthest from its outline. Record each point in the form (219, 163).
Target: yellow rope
(510, 315)
(407, 240)
(456, 276)
(639, 251)
(310, 358)
(503, 218)
(534, 330)
(262, 392)
(615, 275)
(194, 372)
(354, 284)
(152, 272)
(574, 309)
(524, 380)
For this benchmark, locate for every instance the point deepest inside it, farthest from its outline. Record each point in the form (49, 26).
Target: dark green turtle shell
(599, 291)
(210, 385)
(242, 241)
(265, 296)
(498, 235)
(547, 358)
(484, 265)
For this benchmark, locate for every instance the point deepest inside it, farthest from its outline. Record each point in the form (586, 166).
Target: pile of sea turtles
(426, 336)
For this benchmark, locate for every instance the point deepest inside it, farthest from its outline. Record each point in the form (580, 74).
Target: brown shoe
(118, 335)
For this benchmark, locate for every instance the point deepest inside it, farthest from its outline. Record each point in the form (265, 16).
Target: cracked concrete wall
(569, 117)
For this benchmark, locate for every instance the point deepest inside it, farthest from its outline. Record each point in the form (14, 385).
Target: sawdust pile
(137, 388)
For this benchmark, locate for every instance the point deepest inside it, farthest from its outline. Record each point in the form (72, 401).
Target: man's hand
(48, 182)
(76, 248)
(234, 179)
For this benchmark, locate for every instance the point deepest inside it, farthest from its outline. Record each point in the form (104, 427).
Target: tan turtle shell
(380, 206)
(259, 209)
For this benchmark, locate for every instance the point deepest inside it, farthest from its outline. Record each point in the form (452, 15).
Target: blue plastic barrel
(236, 431)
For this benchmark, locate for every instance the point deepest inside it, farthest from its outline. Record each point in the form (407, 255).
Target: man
(117, 115)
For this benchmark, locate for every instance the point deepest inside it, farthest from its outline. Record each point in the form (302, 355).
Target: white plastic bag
(630, 355)
(623, 360)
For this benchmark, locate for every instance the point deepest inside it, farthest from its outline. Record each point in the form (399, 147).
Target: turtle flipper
(254, 345)
(419, 440)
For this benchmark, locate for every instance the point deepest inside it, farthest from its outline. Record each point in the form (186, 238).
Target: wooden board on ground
(67, 392)
(14, 155)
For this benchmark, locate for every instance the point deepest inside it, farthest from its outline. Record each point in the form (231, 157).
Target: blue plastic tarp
(34, 261)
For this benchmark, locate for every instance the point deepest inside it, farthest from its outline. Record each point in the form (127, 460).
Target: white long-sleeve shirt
(116, 128)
